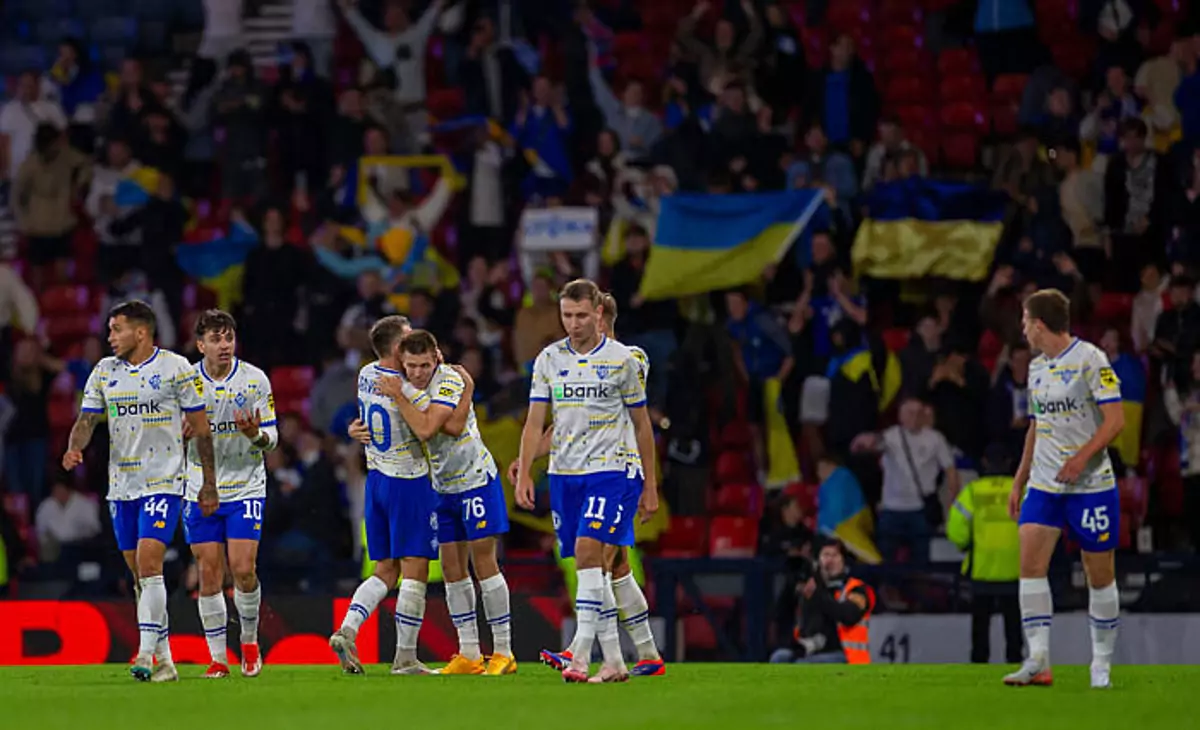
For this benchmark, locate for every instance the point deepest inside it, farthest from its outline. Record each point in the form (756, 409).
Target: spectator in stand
(722, 62)
(135, 285)
(825, 300)
(314, 24)
(1008, 402)
(491, 76)
(130, 98)
(647, 324)
(1058, 120)
(475, 363)
(488, 233)
(18, 313)
(843, 100)
(1177, 332)
(240, 109)
(73, 84)
(33, 374)
(1022, 174)
(302, 110)
(890, 145)
(1006, 37)
(783, 69)
(829, 167)
(48, 185)
(1182, 399)
(196, 116)
(65, 519)
(543, 126)
(335, 387)
(223, 34)
(919, 357)
(915, 455)
(1115, 104)
(787, 536)
(1156, 82)
(162, 221)
(275, 275)
(538, 323)
(349, 129)
(373, 305)
(162, 141)
(20, 119)
(958, 392)
(1081, 199)
(1124, 30)
(1187, 97)
(1147, 306)
(120, 245)
(80, 368)
(1137, 190)
(399, 47)
(1183, 219)
(761, 350)
(636, 127)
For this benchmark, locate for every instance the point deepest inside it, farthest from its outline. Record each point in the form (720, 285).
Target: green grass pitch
(727, 696)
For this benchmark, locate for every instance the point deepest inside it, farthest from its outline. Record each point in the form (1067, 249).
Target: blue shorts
(153, 517)
(1092, 519)
(240, 520)
(601, 506)
(401, 517)
(473, 514)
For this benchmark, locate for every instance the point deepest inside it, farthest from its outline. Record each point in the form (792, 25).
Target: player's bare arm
(425, 424)
(531, 436)
(81, 436)
(208, 498)
(1022, 476)
(359, 432)
(644, 432)
(457, 423)
(1113, 415)
(543, 449)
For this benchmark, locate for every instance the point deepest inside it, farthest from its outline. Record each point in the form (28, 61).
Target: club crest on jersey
(1066, 374)
(561, 373)
(240, 399)
(603, 370)
(112, 383)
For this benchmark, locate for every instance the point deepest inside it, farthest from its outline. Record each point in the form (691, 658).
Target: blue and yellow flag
(705, 243)
(219, 263)
(917, 228)
(843, 512)
(1132, 373)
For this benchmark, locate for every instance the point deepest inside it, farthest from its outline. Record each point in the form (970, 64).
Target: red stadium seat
(61, 411)
(1114, 308)
(964, 116)
(64, 330)
(292, 381)
(735, 435)
(698, 632)
(739, 500)
(962, 87)
(901, 36)
(445, 103)
(687, 537)
(1134, 497)
(960, 151)
(907, 62)
(915, 117)
(1050, 12)
(908, 90)
(65, 299)
(1009, 87)
(733, 467)
(846, 15)
(896, 338)
(900, 12)
(733, 537)
(957, 61)
(1005, 118)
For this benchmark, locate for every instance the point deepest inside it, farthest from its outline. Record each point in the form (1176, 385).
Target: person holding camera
(834, 613)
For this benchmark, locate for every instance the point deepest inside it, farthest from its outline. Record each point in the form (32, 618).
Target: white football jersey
(590, 395)
(145, 406)
(241, 473)
(394, 449)
(633, 457)
(1065, 395)
(459, 464)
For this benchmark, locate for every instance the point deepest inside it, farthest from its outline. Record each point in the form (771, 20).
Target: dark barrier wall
(292, 630)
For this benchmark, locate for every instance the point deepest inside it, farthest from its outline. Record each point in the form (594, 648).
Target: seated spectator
(721, 62)
(833, 611)
(891, 143)
(64, 519)
(915, 455)
(844, 101)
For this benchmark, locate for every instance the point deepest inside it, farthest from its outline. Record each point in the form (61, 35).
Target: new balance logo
(571, 392)
(1049, 408)
(118, 410)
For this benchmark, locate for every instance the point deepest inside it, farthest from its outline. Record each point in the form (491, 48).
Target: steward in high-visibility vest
(979, 525)
(835, 614)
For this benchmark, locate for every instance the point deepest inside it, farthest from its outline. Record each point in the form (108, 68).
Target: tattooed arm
(202, 436)
(81, 435)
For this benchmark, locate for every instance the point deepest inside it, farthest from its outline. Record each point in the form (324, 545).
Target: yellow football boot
(499, 664)
(459, 664)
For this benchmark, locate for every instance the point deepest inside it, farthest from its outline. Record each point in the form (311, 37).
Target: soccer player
(1065, 477)
(472, 513)
(144, 390)
(400, 511)
(631, 602)
(241, 413)
(592, 384)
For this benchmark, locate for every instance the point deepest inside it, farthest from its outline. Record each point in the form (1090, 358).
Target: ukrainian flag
(705, 243)
(136, 188)
(842, 512)
(917, 228)
(1132, 374)
(219, 263)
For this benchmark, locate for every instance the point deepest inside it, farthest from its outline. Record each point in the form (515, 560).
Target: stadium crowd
(209, 171)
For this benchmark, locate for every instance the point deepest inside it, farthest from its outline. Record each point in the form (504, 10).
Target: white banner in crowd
(1145, 638)
(559, 229)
